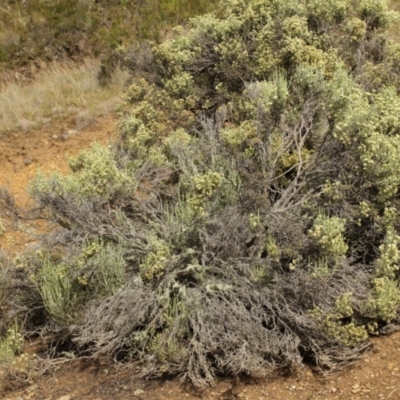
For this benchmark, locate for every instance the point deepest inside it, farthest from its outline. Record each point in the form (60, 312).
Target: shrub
(327, 233)
(349, 333)
(10, 345)
(384, 300)
(95, 175)
(2, 229)
(4, 283)
(66, 285)
(253, 183)
(12, 357)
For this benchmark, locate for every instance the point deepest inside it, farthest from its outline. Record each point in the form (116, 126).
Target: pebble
(138, 392)
(67, 397)
(28, 161)
(69, 133)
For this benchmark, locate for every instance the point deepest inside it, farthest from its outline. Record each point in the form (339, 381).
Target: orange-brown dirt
(23, 154)
(375, 376)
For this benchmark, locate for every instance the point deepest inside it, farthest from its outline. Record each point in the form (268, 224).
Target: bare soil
(375, 376)
(22, 154)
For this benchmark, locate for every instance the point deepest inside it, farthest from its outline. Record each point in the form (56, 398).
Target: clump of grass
(57, 91)
(13, 360)
(97, 271)
(2, 229)
(10, 345)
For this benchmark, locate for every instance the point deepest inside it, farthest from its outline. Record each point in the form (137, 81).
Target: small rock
(356, 388)
(69, 133)
(138, 392)
(28, 161)
(55, 137)
(67, 397)
(33, 388)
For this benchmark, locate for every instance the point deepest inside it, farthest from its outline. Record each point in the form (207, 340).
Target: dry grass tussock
(58, 90)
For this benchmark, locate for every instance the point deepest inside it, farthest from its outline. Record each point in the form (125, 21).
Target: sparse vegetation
(10, 345)
(57, 91)
(34, 30)
(247, 217)
(98, 270)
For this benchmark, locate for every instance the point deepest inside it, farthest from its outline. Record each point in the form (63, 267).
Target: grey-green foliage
(262, 157)
(10, 345)
(270, 86)
(2, 228)
(67, 284)
(95, 174)
(328, 234)
(4, 278)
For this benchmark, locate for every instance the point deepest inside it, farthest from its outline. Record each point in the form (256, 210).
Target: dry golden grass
(57, 91)
(395, 28)
(395, 5)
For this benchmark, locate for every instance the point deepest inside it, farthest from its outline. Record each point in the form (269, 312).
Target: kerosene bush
(253, 195)
(65, 286)
(95, 174)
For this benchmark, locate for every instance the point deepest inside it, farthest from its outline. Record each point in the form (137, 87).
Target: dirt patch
(375, 376)
(23, 154)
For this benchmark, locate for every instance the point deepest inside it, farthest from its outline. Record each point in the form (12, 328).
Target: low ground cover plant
(247, 218)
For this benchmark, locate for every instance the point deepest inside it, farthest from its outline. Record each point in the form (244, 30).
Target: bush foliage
(247, 217)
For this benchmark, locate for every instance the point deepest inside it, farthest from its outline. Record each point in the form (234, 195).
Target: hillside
(35, 31)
